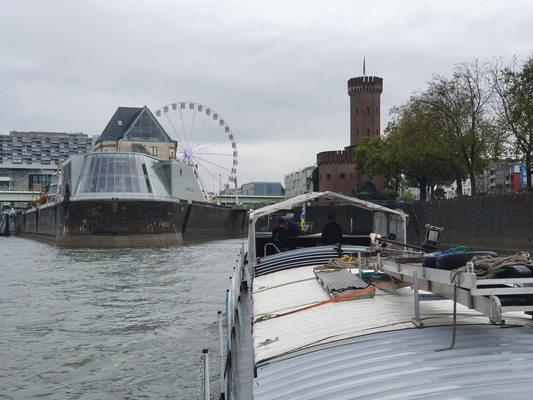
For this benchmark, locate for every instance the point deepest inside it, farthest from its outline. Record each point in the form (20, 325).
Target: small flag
(302, 216)
(235, 182)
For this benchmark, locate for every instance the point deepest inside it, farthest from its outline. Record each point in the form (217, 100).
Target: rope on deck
(485, 267)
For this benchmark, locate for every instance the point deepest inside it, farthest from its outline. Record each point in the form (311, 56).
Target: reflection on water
(109, 323)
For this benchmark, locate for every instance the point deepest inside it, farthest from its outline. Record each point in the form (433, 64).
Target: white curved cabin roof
(370, 347)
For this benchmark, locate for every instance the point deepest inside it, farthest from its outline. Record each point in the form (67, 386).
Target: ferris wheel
(205, 142)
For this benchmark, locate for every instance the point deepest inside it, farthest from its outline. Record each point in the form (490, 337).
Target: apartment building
(299, 182)
(35, 156)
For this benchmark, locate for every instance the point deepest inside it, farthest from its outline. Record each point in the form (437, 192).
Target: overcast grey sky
(276, 71)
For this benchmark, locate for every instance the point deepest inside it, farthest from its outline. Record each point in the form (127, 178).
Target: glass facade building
(103, 176)
(124, 173)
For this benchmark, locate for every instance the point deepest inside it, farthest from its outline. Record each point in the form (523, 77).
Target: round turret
(365, 103)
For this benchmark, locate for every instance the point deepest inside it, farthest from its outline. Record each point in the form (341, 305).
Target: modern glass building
(261, 189)
(128, 175)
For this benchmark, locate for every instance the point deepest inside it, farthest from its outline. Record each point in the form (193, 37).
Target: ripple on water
(109, 323)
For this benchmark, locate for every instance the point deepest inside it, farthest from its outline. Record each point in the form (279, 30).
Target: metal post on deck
(360, 266)
(228, 325)
(206, 374)
(221, 349)
(417, 321)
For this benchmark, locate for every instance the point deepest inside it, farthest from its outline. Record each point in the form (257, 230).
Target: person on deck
(294, 229)
(332, 232)
(281, 236)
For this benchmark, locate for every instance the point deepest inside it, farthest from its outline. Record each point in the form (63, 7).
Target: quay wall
(113, 223)
(503, 224)
(206, 222)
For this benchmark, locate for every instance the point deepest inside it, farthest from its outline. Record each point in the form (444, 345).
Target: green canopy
(364, 194)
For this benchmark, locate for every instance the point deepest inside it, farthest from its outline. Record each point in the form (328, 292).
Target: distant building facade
(299, 182)
(337, 168)
(261, 189)
(28, 159)
(135, 130)
(502, 176)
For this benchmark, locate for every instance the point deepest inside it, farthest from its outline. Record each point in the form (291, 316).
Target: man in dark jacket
(294, 229)
(332, 232)
(281, 236)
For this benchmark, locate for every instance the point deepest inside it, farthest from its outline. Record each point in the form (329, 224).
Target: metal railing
(232, 299)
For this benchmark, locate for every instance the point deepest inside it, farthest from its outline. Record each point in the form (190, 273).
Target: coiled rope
(485, 267)
(339, 263)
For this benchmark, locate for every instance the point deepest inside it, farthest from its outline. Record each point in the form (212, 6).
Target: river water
(110, 323)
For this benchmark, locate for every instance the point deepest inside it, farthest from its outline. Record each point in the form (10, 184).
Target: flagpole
(302, 217)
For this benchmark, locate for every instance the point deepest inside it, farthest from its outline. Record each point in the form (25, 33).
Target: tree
(408, 150)
(410, 135)
(461, 105)
(314, 179)
(373, 156)
(387, 195)
(514, 86)
(408, 197)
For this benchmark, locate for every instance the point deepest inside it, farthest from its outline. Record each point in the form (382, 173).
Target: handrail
(272, 244)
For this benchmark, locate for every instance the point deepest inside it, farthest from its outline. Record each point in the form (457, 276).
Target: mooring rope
(339, 263)
(485, 267)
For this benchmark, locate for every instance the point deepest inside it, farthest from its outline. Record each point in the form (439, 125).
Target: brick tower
(336, 168)
(365, 103)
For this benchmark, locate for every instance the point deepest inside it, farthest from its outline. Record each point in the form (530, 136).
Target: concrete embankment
(500, 223)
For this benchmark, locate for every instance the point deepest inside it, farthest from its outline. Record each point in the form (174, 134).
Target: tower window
(328, 177)
(343, 177)
(368, 111)
(377, 133)
(351, 175)
(368, 132)
(357, 133)
(377, 110)
(357, 111)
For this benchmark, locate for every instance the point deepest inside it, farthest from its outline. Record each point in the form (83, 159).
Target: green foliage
(407, 197)
(387, 195)
(374, 156)
(514, 85)
(449, 131)
(411, 144)
(314, 179)
(461, 108)
(282, 191)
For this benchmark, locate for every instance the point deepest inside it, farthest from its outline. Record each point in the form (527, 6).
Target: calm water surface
(109, 324)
